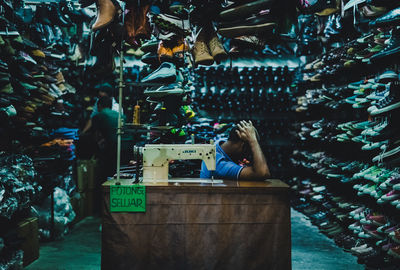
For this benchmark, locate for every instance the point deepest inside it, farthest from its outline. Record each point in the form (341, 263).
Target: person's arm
(259, 170)
(88, 125)
(89, 122)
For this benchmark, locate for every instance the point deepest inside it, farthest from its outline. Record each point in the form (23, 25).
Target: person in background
(232, 156)
(103, 90)
(104, 128)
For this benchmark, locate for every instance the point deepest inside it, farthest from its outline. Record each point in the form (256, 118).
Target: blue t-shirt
(225, 167)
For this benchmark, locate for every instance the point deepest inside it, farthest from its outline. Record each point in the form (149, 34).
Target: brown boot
(201, 53)
(106, 11)
(142, 23)
(216, 48)
(129, 25)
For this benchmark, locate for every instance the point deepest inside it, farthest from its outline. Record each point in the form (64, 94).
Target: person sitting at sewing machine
(232, 156)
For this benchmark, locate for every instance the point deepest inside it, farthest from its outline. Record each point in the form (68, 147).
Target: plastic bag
(63, 215)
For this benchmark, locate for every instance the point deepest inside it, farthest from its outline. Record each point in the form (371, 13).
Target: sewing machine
(156, 158)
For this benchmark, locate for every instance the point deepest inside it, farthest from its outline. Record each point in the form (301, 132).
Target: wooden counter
(233, 225)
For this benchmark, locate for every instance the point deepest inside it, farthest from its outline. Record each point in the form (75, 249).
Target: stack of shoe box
(86, 186)
(28, 231)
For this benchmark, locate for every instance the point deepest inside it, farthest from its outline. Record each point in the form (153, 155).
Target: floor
(313, 250)
(81, 249)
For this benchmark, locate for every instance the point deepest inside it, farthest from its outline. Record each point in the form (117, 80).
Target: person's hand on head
(246, 131)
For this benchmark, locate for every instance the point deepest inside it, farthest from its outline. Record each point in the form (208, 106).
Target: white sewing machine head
(156, 158)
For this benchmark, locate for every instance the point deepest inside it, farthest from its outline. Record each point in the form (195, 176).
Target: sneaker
(150, 58)
(391, 18)
(357, 212)
(384, 227)
(395, 236)
(179, 50)
(394, 150)
(250, 26)
(373, 145)
(389, 103)
(242, 11)
(363, 125)
(372, 232)
(377, 220)
(379, 93)
(374, 131)
(368, 190)
(380, 177)
(178, 9)
(395, 203)
(172, 23)
(363, 249)
(7, 28)
(167, 90)
(165, 73)
(361, 174)
(391, 196)
(391, 183)
(150, 45)
(391, 49)
(164, 52)
(395, 252)
(356, 226)
(373, 174)
(396, 186)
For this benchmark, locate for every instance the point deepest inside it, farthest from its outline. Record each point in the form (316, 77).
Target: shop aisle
(313, 250)
(81, 249)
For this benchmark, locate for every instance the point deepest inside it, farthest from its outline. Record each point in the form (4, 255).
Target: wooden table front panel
(220, 228)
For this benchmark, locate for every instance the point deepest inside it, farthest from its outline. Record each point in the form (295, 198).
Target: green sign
(128, 198)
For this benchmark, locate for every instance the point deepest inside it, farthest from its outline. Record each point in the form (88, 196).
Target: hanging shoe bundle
(208, 48)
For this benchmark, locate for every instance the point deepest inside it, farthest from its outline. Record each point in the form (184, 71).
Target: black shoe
(151, 59)
(86, 3)
(7, 28)
(57, 17)
(253, 20)
(41, 15)
(240, 11)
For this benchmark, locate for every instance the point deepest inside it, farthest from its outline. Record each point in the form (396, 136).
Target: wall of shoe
(264, 95)
(42, 63)
(347, 154)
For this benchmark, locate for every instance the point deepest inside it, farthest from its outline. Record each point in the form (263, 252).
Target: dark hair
(104, 102)
(106, 88)
(233, 137)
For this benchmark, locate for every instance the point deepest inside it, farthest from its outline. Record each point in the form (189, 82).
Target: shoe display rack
(347, 156)
(41, 104)
(263, 95)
